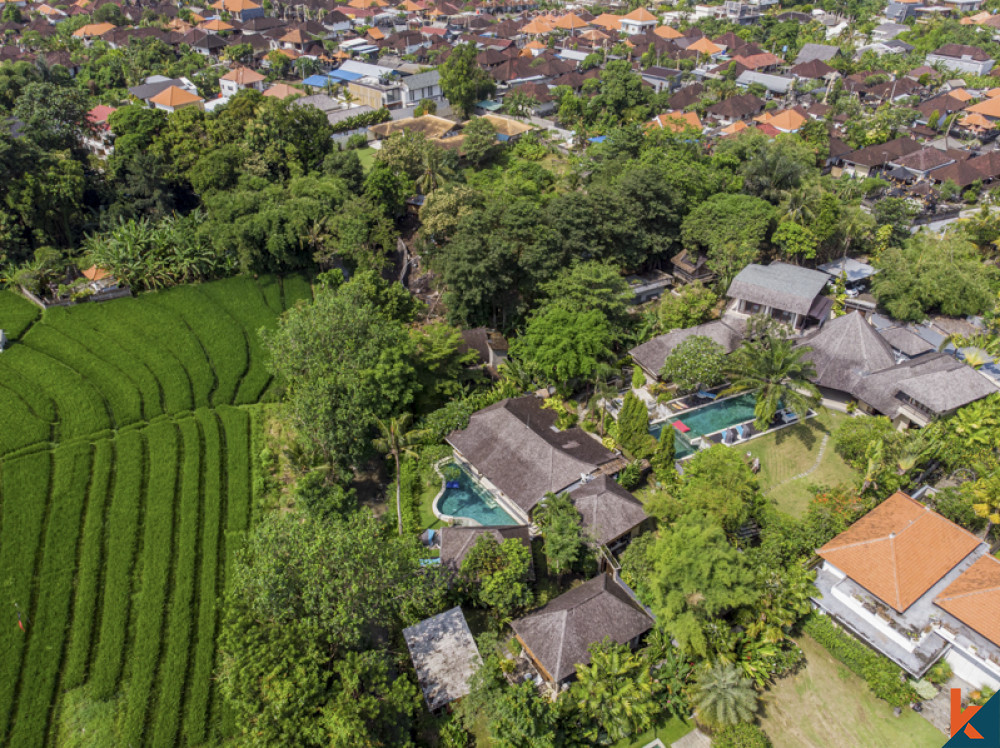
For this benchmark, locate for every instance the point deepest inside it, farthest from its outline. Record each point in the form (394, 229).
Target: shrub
(951, 504)
(745, 735)
(881, 675)
(638, 378)
(852, 437)
(631, 476)
(939, 673)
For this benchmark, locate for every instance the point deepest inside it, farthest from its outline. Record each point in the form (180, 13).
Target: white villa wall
(970, 668)
(877, 623)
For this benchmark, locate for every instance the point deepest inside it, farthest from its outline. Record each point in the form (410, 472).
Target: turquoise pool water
(470, 500)
(707, 420)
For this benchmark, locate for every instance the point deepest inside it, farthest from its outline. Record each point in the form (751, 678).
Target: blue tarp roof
(344, 75)
(319, 81)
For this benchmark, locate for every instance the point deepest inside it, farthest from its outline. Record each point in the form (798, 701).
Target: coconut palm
(435, 171)
(723, 697)
(613, 695)
(397, 442)
(780, 374)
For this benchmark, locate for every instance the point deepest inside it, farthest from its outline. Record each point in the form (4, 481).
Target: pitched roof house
(444, 656)
(556, 637)
(916, 588)
(652, 354)
(735, 108)
(457, 541)
(515, 447)
(962, 58)
(611, 515)
(788, 293)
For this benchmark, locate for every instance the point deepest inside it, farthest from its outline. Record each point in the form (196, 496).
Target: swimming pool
(470, 500)
(707, 420)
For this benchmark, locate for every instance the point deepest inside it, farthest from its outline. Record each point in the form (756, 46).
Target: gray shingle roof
(781, 286)
(846, 348)
(652, 354)
(906, 341)
(559, 634)
(608, 510)
(824, 52)
(515, 444)
(444, 655)
(422, 80)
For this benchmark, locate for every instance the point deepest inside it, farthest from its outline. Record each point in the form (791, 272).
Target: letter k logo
(960, 718)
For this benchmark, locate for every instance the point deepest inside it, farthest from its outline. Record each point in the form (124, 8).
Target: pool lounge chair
(789, 416)
(706, 395)
(740, 433)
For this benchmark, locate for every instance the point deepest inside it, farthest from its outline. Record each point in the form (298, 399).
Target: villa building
(556, 638)
(915, 587)
(457, 541)
(787, 293)
(445, 657)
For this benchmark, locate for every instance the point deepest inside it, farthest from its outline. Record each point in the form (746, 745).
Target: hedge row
(197, 708)
(174, 666)
(24, 490)
(141, 670)
(882, 676)
(122, 534)
(51, 610)
(88, 574)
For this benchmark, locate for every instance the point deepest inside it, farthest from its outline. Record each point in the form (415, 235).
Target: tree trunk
(399, 503)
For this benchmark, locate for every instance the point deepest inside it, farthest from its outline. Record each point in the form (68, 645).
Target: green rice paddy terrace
(125, 483)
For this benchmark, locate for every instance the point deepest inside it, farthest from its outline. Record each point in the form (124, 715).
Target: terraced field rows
(125, 488)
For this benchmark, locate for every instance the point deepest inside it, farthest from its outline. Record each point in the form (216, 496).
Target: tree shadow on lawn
(808, 433)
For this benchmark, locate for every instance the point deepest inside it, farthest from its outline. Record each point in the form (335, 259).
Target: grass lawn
(367, 157)
(794, 450)
(825, 704)
(668, 732)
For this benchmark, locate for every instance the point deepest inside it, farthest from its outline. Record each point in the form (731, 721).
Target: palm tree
(395, 442)
(614, 694)
(435, 171)
(723, 697)
(780, 374)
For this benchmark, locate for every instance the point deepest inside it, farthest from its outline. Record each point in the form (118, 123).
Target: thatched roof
(444, 655)
(846, 348)
(456, 542)
(559, 634)
(907, 342)
(429, 125)
(607, 509)
(515, 444)
(652, 354)
(779, 285)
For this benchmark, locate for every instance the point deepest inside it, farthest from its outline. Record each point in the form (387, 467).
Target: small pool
(707, 420)
(470, 500)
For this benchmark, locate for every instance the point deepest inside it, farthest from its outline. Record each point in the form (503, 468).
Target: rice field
(125, 487)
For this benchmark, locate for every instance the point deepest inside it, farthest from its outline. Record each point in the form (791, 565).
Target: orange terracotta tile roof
(961, 94)
(787, 121)
(593, 35)
(296, 36)
(94, 29)
(640, 15)
(571, 21)
(608, 21)
(677, 121)
(899, 550)
(243, 76)
(738, 126)
(537, 26)
(216, 25)
(974, 598)
(175, 97)
(235, 6)
(282, 91)
(667, 32)
(976, 120)
(993, 93)
(375, 33)
(988, 108)
(705, 46)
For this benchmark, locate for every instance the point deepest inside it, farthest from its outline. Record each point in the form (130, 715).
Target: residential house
(173, 98)
(921, 163)
(444, 656)
(869, 161)
(100, 139)
(241, 10)
(962, 58)
(647, 286)
(821, 52)
(489, 345)
(887, 31)
(515, 450)
(420, 87)
(238, 79)
(786, 293)
(556, 638)
(735, 109)
(775, 84)
(377, 92)
(651, 355)
(676, 122)
(916, 588)
(638, 21)
(430, 126)
(854, 361)
(662, 79)
(611, 516)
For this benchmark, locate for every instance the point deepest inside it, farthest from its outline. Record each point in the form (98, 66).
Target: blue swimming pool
(707, 420)
(470, 500)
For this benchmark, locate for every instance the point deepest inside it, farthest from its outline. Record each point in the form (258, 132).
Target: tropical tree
(560, 525)
(781, 376)
(697, 363)
(463, 81)
(495, 575)
(724, 697)
(435, 170)
(614, 696)
(395, 441)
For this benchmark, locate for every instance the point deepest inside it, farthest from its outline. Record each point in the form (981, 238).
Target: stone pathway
(813, 469)
(694, 739)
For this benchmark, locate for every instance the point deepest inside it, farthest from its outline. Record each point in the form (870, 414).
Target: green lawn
(794, 450)
(825, 704)
(367, 157)
(668, 731)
